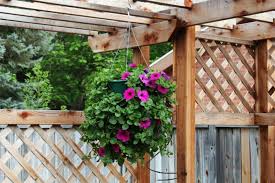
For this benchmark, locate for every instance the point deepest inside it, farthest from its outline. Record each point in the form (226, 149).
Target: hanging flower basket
(130, 120)
(117, 86)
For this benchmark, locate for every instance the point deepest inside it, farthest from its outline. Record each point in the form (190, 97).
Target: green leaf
(125, 126)
(113, 121)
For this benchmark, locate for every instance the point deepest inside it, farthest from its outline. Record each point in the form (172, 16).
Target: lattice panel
(271, 75)
(55, 155)
(225, 77)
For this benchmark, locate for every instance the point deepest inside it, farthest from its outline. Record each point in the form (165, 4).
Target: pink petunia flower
(116, 148)
(143, 78)
(123, 135)
(151, 84)
(155, 76)
(163, 74)
(133, 65)
(129, 94)
(125, 75)
(101, 151)
(145, 124)
(143, 95)
(162, 89)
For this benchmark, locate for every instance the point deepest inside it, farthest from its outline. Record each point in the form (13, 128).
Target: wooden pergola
(227, 21)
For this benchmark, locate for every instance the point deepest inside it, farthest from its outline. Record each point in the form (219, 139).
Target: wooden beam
(42, 117)
(140, 36)
(75, 11)
(248, 31)
(215, 10)
(173, 3)
(224, 118)
(184, 74)
(57, 117)
(110, 9)
(261, 84)
(62, 17)
(43, 27)
(142, 56)
(56, 23)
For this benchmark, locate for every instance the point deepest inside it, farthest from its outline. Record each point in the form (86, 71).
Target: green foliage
(38, 90)
(19, 51)
(107, 113)
(69, 64)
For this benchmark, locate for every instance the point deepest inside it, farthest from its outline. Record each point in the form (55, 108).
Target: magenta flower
(101, 151)
(125, 75)
(143, 95)
(116, 148)
(162, 89)
(155, 76)
(145, 124)
(151, 84)
(143, 78)
(123, 135)
(129, 94)
(133, 65)
(163, 74)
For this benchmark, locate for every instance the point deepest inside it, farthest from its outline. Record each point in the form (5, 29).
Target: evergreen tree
(20, 49)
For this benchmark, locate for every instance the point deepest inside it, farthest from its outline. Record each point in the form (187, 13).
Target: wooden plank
(236, 156)
(57, 23)
(254, 155)
(246, 171)
(212, 137)
(220, 155)
(44, 117)
(223, 118)
(205, 156)
(75, 11)
(184, 72)
(215, 10)
(173, 3)
(63, 17)
(261, 84)
(140, 36)
(228, 156)
(43, 27)
(199, 155)
(248, 31)
(111, 9)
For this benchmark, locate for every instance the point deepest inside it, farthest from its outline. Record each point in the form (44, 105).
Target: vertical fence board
(212, 136)
(236, 156)
(254, 154)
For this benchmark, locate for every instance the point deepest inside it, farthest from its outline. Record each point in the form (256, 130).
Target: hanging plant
(129, 114)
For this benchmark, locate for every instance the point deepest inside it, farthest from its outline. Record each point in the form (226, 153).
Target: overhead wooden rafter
(79, 11)
(216, 10)
(139, 36)
(174, 3)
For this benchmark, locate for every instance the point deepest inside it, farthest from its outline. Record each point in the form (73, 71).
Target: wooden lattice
(225, 77)
(271, 75)
(55, 154)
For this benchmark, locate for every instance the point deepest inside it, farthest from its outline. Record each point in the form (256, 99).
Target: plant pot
(117, 86)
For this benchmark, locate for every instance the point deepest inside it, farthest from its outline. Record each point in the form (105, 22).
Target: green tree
(19, 50)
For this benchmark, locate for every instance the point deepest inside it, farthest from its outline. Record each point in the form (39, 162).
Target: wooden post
(261, 82)
(184, 74)
(143, 173)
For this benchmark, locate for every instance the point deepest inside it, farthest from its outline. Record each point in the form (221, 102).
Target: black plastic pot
(117, 86)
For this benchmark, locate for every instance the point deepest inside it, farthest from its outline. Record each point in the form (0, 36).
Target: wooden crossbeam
(62, 17)
(140, 36)
(215, 10)
(110, 9)
(56, 117)
(8, 23)
(174, 3)
(75, 11)
(247, 31)
(55, 23)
